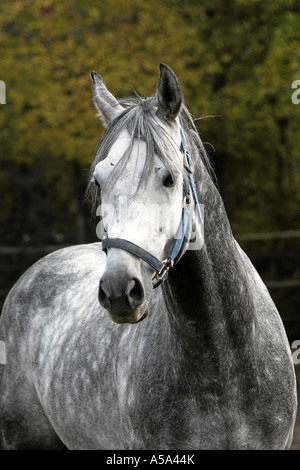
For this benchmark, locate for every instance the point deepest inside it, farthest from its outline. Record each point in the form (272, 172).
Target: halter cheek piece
(162, 267)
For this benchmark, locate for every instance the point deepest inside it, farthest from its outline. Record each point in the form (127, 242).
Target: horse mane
(141, 121)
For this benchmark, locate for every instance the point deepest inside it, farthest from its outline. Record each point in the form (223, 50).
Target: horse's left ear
(169, 93)
(106, 103)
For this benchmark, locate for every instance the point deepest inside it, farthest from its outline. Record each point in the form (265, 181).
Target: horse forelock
(140, 120)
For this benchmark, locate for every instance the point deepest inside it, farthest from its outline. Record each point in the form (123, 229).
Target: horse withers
(164, 336)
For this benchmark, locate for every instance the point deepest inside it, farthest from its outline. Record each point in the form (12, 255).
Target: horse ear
(169, 93)
(105, 102)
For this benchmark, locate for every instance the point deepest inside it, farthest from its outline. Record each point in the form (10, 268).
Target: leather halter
(162, 267)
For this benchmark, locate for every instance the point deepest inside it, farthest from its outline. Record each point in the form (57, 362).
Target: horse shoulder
(48, 284)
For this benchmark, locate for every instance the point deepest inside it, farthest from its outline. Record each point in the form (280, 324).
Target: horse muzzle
(124, 296)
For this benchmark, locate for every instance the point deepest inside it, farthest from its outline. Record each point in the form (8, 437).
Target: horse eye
(168, 181)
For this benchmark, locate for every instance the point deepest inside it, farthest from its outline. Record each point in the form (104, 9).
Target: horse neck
(209, 289)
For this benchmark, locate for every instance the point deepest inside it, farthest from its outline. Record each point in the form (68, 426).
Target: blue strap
(134, 249)
(178, 246)
(188, 167)
(194, 191)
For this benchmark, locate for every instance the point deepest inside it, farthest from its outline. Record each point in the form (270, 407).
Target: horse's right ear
(105, 102)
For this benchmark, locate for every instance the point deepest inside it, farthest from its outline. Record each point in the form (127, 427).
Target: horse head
(141, 181)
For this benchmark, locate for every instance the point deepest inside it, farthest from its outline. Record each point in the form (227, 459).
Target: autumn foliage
(236, 61)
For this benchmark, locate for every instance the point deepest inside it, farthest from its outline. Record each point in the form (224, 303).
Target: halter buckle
(162, 274)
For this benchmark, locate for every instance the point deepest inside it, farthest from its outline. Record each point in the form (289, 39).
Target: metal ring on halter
(167, 264)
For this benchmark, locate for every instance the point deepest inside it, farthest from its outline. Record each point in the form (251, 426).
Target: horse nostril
(102, 296)
(135, 293)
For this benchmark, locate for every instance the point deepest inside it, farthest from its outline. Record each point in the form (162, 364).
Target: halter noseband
(162, 267)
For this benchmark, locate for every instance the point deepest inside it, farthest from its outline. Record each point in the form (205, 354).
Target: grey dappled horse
(201, 361)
